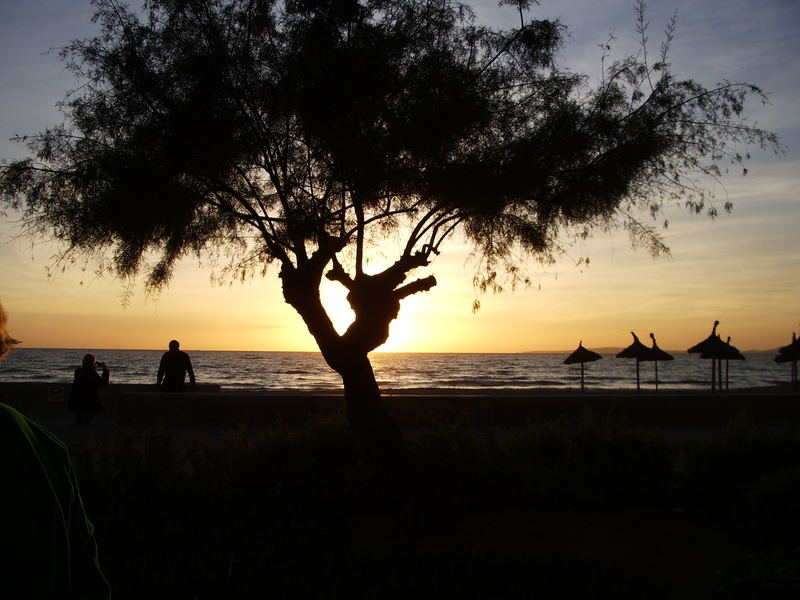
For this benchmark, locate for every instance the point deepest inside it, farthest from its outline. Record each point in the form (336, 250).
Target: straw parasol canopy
(711, 345)
(714, 348)
(581, 355)
(726, 353)
(791, 349)
(638, 351)
(656, 354)
(790, 353)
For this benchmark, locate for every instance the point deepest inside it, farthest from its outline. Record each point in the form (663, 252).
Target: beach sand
(207, 406)
(671, 550)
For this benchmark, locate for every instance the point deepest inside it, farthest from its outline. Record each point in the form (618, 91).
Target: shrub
(771, 509)
(719, 475)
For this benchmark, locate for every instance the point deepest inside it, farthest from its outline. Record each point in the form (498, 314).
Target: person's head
(88, 361)
(6, 341)
(174, 345)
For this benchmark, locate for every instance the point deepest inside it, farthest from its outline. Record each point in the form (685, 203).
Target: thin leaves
(311, 129)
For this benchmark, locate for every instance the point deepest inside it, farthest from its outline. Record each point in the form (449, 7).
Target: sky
(742, 268)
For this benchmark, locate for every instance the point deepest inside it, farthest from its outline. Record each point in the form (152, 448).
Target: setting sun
(334, 299)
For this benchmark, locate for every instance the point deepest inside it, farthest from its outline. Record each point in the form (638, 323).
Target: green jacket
(47, 544)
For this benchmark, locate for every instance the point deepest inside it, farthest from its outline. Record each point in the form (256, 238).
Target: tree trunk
(348, 355)
(371, 422)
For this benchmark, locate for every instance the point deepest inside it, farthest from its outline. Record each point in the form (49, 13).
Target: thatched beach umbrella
(714, 348)
(790, 353)
(638, 351)
(657, 354)
(792, 349)
(581, 355)
(727, 353)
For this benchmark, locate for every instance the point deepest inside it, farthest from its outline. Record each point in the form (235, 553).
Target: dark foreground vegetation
(548, 510)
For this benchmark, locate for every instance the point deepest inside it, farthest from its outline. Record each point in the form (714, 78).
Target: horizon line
(598, 349)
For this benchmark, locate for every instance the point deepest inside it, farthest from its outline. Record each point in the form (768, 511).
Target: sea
(400, 371)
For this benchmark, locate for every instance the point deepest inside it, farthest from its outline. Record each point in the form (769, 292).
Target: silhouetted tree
(299, 132)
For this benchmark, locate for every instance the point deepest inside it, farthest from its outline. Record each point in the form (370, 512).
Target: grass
(292, 512)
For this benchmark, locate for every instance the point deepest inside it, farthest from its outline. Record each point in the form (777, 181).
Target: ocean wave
(495, 383)
(308, 371)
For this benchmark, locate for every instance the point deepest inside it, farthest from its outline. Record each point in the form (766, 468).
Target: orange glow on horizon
(742, 277)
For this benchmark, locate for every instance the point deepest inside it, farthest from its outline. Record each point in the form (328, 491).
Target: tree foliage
(310, 123)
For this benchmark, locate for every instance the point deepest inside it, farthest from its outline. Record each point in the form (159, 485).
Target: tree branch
(419, 285)
(359, 210)
(337, 273)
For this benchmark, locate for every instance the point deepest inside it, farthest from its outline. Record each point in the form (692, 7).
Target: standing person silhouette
(47, 543)
(84, 398)
(175, 364)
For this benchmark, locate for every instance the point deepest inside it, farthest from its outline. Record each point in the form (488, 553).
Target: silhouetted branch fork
(251, 217)
(450, 223)
(388, 279)
(406, 263)
(380, 216)
(432, 222)
(434, 246)
(661, 85)
(337, 273)
(517, 33)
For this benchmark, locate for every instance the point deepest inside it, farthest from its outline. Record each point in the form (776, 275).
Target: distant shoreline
(599, 350)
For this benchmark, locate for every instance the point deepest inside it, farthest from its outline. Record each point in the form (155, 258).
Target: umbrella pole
(656, 363)
(581, 376)
(637, 375)
(727, 363)
(713, 374)
(720, 375)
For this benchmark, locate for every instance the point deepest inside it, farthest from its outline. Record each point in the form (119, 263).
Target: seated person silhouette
(47, 544)
(84, 398)
(172, 370)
